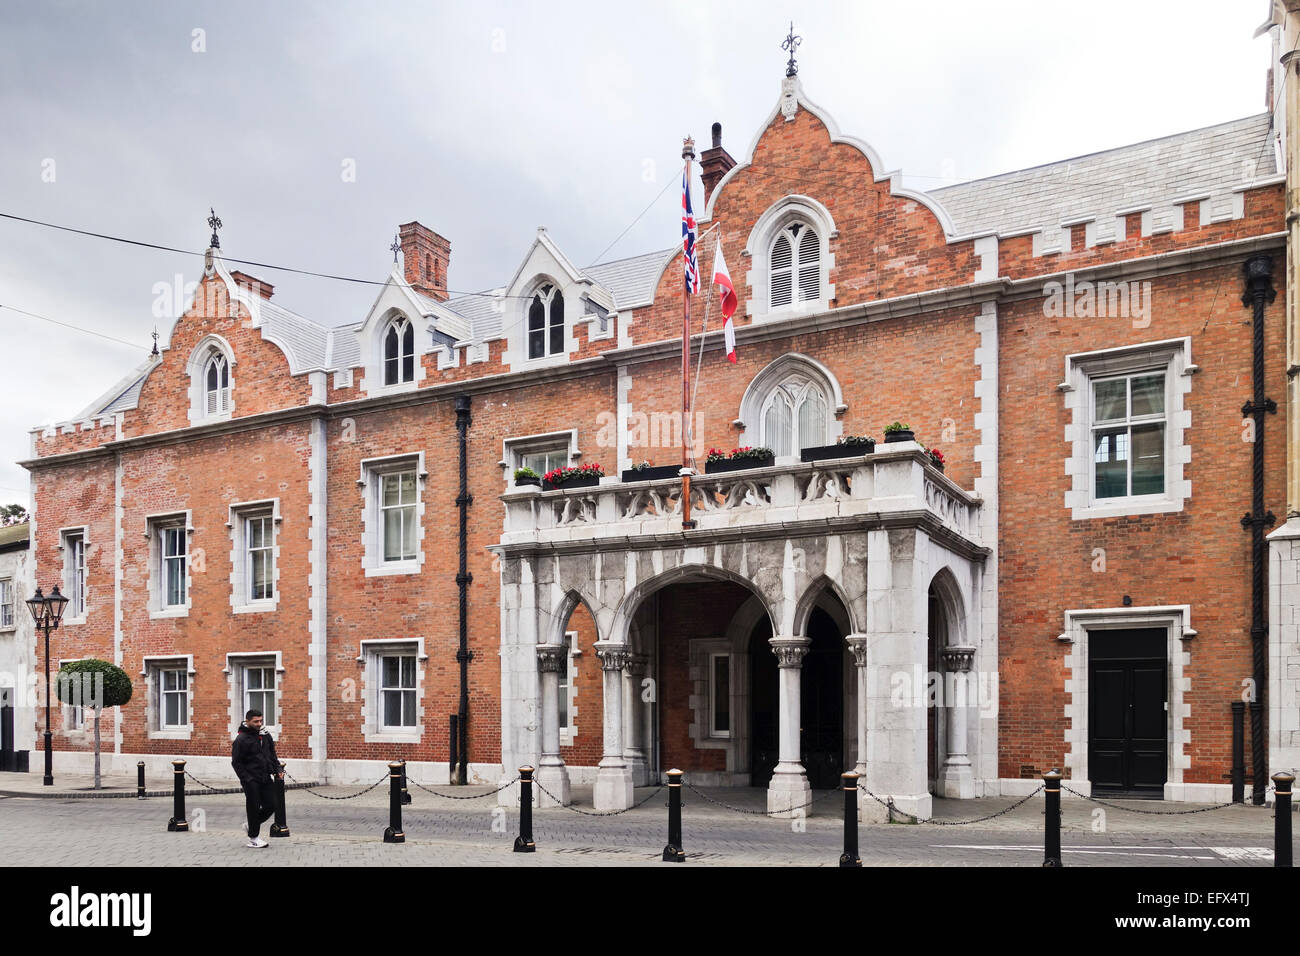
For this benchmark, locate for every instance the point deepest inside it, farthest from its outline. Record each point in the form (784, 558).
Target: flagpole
(688, 154)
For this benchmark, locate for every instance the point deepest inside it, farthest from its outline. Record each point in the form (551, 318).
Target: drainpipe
(463, 579)
(1258, 293)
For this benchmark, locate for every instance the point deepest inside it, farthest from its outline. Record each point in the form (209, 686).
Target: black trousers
(259, 801)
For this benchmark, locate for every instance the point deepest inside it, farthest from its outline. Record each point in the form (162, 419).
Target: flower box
(579, 481)
(904, 434)
(520, 482)
(653, 473)
(838, 450)
(738, 464)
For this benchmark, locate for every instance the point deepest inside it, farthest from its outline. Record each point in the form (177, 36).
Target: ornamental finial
(395, 248)
(215, 223)
(791, 43)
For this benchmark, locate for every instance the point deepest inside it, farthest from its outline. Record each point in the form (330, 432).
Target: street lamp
(47, 612)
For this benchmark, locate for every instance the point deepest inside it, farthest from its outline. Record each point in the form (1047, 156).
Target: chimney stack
(715, 163)
(245, 281)
(425, 257)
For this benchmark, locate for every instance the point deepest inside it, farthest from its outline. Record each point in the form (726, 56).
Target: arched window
(795, 416)
(216, 384)
(546, 323)
(795, 266)
(399, 351)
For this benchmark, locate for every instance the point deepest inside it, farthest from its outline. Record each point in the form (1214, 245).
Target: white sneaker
(256, 843)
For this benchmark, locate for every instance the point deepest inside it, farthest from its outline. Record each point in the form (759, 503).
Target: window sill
(256, 607)
(1123, 507)
(72, 621)
(155, 615)
(807, 307)
(393, 737)
(10, 629)
(177, 733)
(396, 567)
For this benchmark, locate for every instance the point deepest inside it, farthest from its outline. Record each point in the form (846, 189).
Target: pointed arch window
(216, 384)
(795, 416)
(546, 323)
(399, 351)
(795, 266)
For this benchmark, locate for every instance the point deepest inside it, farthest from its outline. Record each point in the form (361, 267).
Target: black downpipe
(463, 579)
(1259, 292)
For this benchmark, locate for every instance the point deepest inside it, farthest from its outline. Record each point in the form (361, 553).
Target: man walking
(253, 756)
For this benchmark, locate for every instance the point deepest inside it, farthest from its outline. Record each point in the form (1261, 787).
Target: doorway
(1127, 712)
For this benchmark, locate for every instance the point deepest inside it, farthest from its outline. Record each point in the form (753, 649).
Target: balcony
(892, 487)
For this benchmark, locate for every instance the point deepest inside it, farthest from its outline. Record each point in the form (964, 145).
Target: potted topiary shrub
(899, 432)
(581, 476)
(526, 476)
(95, 684)
(846, 446)
(648, 472)
(738, 460)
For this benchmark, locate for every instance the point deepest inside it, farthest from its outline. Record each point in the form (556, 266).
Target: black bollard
(673, 852)
(1282, 818)
(280, 828)
(850, 855)
(406, 794)
(178, 823)
(524, 842)
(1052, 818)
(394, 832)
(139, 779)
(1238, 752)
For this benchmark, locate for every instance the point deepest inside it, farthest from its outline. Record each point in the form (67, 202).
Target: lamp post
(47, 612)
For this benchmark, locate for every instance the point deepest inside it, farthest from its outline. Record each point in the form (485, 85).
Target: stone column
(858, 646)
(789, 790)
(633, 750)
(613, 779)
(552, 659)
(956, 779)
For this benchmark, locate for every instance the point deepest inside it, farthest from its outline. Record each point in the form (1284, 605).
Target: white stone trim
(758, 248)
(983, 741)
(569, 733)
(239, 512)
(1176, 619)
(791, 364)
(194, 368)
(236, 661)
(369, 652)
(1174, 357)
(372, 556)
(150, 665)
(318, 593)
(1283, 698)
(701, 652)
(119, 565)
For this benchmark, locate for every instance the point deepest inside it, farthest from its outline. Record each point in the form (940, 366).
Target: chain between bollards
(1052, 818)
(673, 852)
(394, 834)
(1282, 782)
(524, 842)
(178, 823)
(850, 858)
(280, 828)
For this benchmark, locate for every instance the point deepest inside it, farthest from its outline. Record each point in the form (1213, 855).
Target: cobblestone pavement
(56, 830)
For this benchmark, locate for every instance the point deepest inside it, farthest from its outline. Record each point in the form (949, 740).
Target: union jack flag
(688, 239)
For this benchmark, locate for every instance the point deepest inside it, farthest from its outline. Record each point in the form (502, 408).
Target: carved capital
(552, 658)
(613, 656)
(789, 651)
(635, 665)
(958, 657)
(858, 646)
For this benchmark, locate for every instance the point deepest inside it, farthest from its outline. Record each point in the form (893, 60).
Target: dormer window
(795, 266)
(546, 323)
(216, 385)
(399, 352)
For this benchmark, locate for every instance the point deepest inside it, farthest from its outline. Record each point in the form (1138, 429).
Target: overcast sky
(486, 120)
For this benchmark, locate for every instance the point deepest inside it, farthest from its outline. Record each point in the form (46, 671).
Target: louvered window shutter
(782, 272)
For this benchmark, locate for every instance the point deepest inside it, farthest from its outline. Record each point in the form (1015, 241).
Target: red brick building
(269, 510)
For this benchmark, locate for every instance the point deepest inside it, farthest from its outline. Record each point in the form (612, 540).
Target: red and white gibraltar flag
(722, 279)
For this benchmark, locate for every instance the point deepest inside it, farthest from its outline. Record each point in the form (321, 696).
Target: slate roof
(15, 536)
(1208, 162)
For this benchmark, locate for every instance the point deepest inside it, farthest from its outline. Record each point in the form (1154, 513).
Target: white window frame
(371, 484)
(713, 732)
(401, 323)
(9, 621)
(241, 597)
(370, 658)
(237, 665)
(1173, 357)
(701, 653)
(549, 326)
(152, 669)
(216, 401)
(197, 369)
(73, 715)
(781, 372)
(795, 233)
(72, 545)
(514, 450)
(758, 249)
(156, 527)
(794, 389)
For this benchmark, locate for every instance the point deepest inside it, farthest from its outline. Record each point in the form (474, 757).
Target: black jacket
(253, 755)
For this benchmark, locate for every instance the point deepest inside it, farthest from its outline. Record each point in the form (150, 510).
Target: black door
(764, 702)
(822, 703)
(1127, 718)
